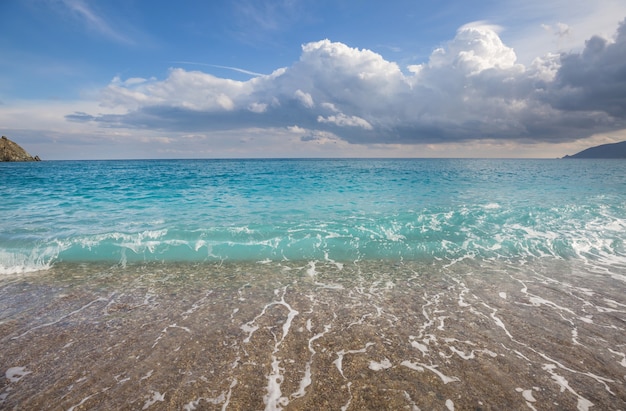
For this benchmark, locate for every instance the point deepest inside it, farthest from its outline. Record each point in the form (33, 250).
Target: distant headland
(615, 150)
(11, 151)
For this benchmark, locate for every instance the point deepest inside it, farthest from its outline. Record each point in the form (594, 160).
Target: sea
(348, 284)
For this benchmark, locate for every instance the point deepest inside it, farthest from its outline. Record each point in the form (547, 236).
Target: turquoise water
(315, 210)
(307, 284)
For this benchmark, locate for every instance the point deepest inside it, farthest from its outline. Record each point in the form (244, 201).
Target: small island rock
(11, 151)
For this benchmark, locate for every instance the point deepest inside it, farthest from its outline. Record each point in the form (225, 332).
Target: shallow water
(313, 284)
(370, 335)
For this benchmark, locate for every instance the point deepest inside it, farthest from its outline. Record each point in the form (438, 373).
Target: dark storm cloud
(594, 80)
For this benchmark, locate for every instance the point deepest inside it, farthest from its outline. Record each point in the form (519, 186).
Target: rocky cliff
(10, 151)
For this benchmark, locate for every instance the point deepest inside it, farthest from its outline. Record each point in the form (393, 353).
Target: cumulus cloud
(304, 98)
(469, 89)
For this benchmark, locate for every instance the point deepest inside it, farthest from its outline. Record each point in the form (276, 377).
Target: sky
(117, 79)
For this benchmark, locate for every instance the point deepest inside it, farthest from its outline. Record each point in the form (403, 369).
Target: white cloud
(476, 47)
(192, 90)
(304, 98)
(257, 107)
(471, 89)
(559, 29)
(345, 121)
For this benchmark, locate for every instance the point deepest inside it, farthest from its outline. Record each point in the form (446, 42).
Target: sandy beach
(367, 336)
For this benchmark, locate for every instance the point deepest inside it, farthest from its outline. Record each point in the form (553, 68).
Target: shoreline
(302, 335)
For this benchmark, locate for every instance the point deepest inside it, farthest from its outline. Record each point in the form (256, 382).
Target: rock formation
(10, 151)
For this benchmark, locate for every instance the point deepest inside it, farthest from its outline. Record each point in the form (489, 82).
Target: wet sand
(550, 335)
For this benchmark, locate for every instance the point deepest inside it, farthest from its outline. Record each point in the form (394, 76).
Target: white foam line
(111, 302)
(329, 286)
(191, 405)
(536, 301)
(165, 332)
(608, 310)
(429, 322)
(360, 320)
(614, 303)
(306, 380)
(569, 287)
(196, 305)
(60, 318)
(432, 368)
(240, 291)
(148, 375)
(378, 366)
(599, 379)
(441, 322)
(489, 353)
(528, 397)
(527, 394)
(575, 336)
(498, 321)
(470, 256)
(464, 289)
(147, 298)
(156, 396)
(451, 340)
(583, 403)
(250, 328)
(414, 406)
(330, 260)
(84, 400)
(122, 380)
(423, 348)
(233, 384)
(623, 362)
(519, 354)
(347, 405)
(14, 374)
(462, 354)
(478, 313)
(524, 289)
(531, 406)
(311, 270)
(340, 355)
(274, 400)
(461, 301)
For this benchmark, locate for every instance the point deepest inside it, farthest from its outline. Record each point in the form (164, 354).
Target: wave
(480, 232)
(25, 262)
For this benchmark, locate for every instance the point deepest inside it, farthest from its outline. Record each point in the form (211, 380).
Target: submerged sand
(375, 335)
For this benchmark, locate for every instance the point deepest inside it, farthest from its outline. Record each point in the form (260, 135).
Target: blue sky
(300, 78)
